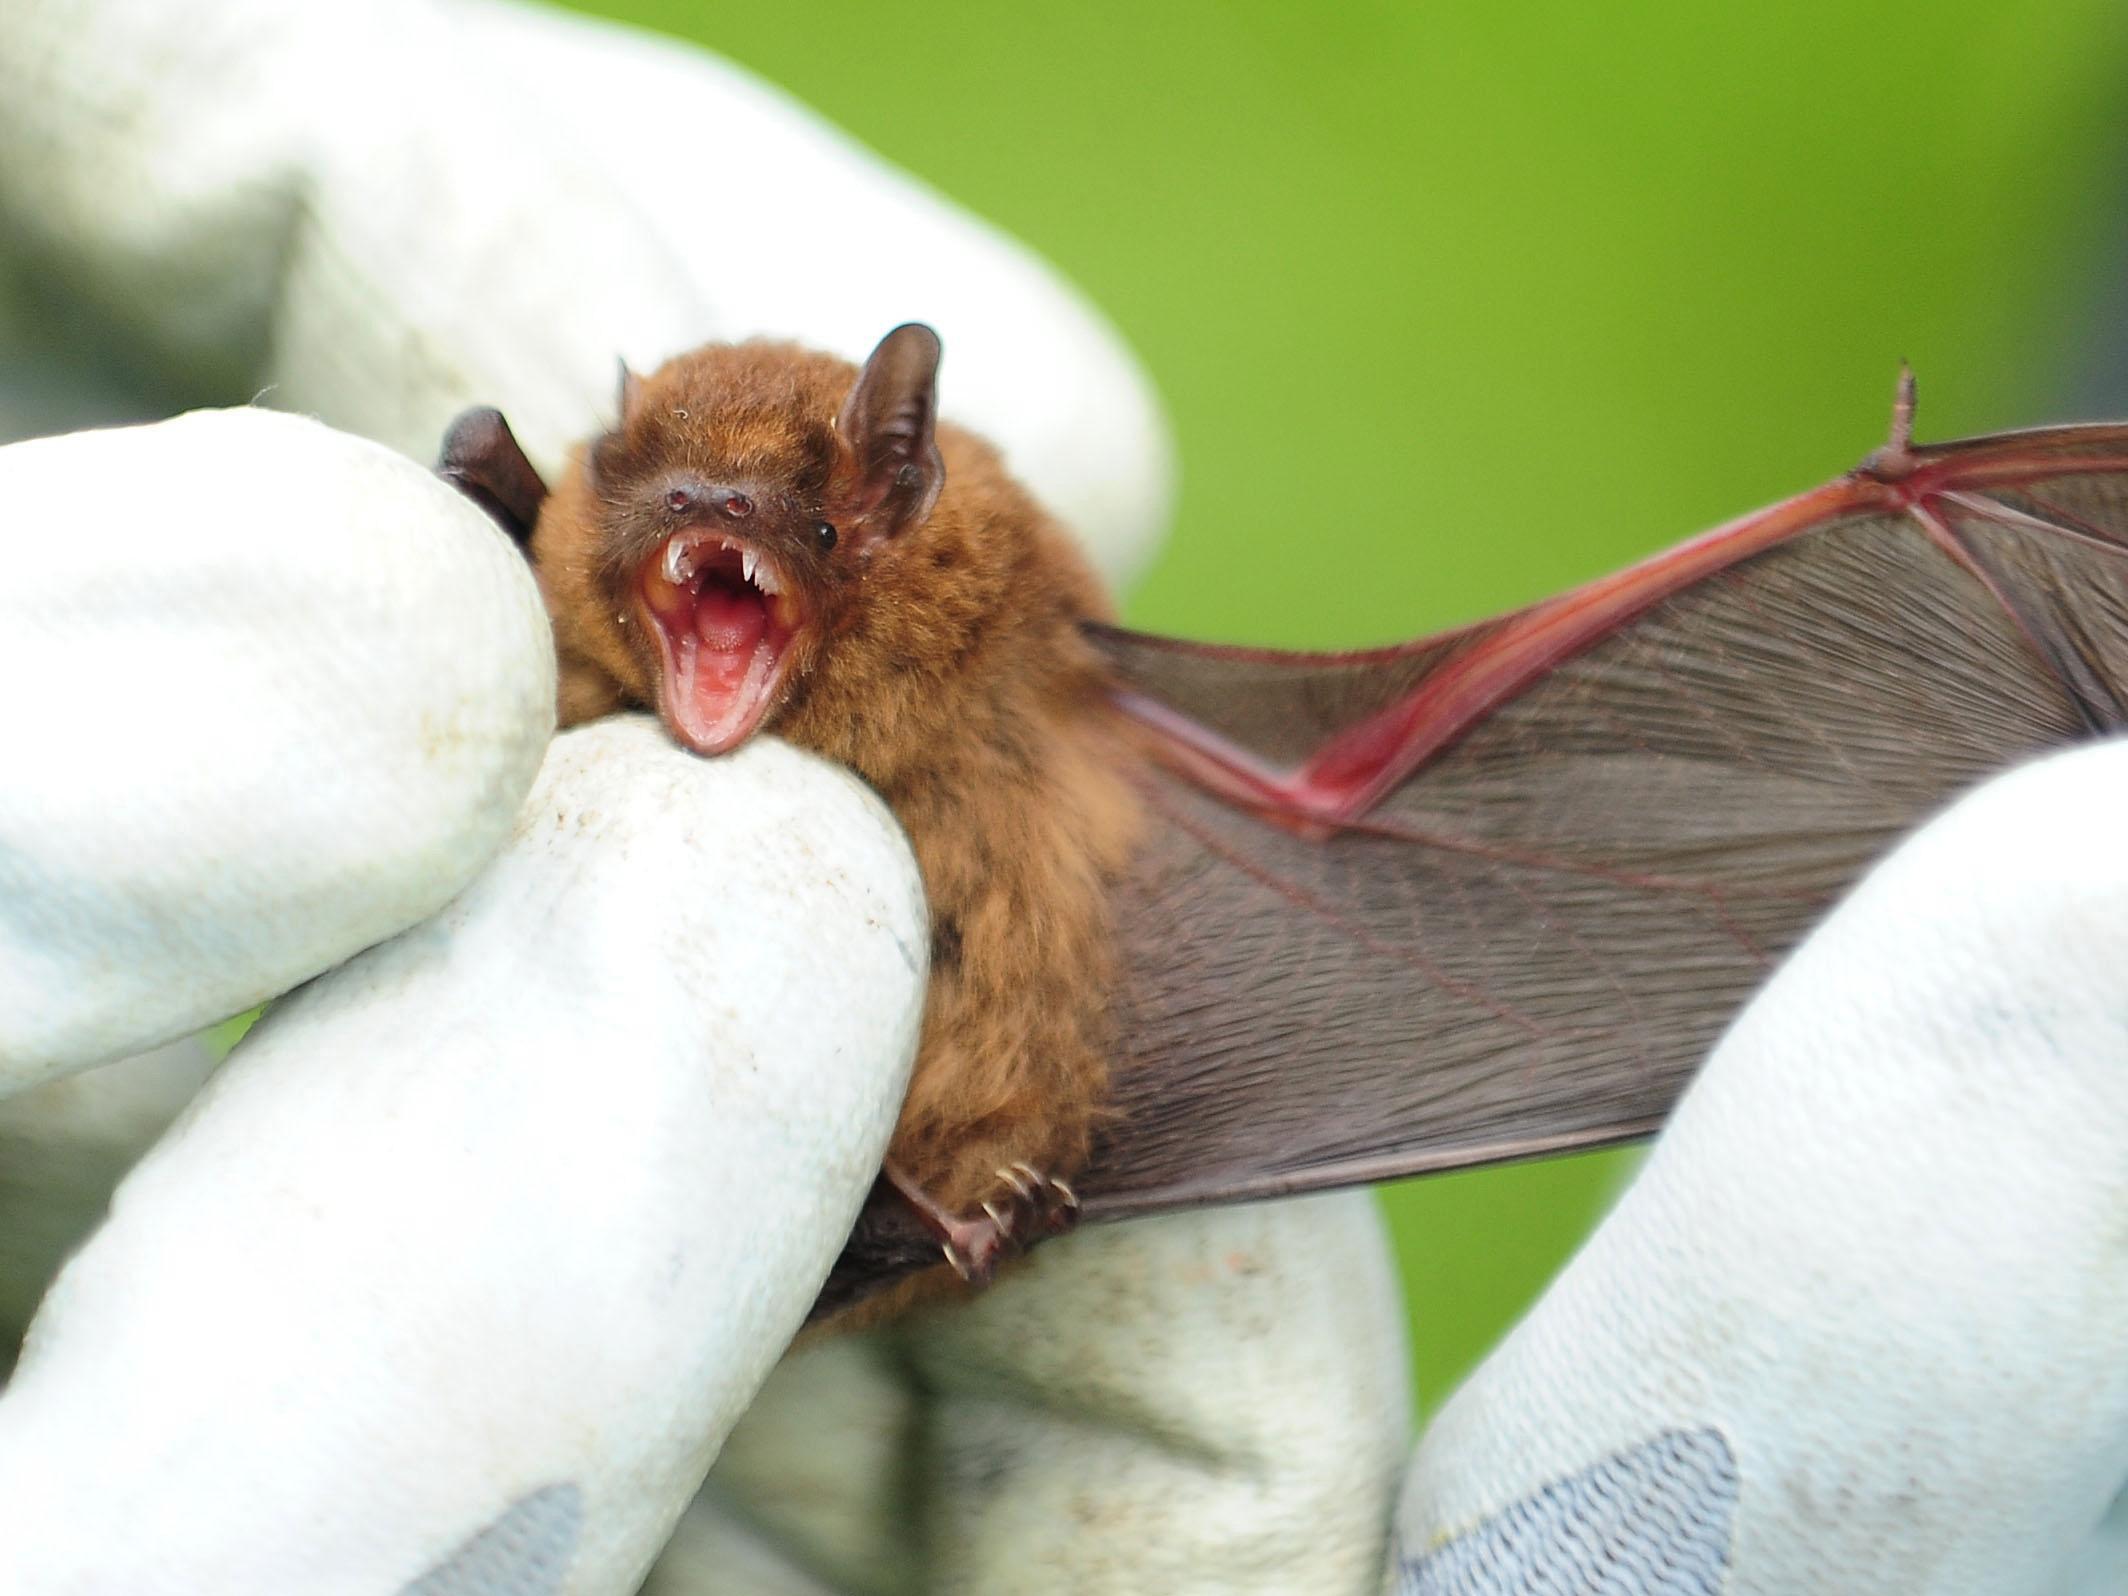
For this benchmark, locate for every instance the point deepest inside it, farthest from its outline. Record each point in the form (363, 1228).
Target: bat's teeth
(763, 576)
(679, 562)
(746, 564)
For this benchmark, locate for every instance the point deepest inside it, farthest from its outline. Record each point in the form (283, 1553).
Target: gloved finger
(1224, 1391)
(1857, 1325)
(462, 1265)
(269, 693)
(715, 1548)
(1212, 1402)
(387, 211)
(812, 1493)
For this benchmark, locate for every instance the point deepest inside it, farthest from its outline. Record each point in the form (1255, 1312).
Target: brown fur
(944, 663)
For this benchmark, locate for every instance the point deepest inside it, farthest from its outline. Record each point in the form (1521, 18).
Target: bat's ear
(482, 460)
(891, 420)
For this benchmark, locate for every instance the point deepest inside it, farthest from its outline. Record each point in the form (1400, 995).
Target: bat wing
(1551, 855)
(1495, 893)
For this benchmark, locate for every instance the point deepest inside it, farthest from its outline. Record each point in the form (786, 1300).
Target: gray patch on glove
(1655, 1520)
(525, 1552)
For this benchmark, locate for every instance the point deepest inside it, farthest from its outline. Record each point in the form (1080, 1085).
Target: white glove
(1859, 1325)
(282, 709)
(423, 1295)
(468, 1259)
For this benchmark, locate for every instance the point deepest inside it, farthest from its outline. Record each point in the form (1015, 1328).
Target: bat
(1217, 923)
(770, 538)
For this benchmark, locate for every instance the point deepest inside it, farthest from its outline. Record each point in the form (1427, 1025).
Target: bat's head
(708, 551)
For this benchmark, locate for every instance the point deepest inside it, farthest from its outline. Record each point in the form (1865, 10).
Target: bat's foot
(1029, 1205)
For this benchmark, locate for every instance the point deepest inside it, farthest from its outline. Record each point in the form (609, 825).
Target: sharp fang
(746, 564)
(679, 563)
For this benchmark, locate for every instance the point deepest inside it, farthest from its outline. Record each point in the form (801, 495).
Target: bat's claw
(1046, 1200)
(1893, 459)
(1030, 1206)
(975, 1247)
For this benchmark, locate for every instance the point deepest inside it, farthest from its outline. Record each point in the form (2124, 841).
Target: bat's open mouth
(724, 622)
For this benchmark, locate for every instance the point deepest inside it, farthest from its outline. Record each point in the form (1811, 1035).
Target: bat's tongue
(729, 622)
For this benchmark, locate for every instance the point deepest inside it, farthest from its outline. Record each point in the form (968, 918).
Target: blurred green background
(1453, 307)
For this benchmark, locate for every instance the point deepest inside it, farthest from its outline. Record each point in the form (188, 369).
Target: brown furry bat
(1213, 923)
(766, 543)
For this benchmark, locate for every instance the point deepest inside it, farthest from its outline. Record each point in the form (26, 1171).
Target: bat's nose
(697, 498)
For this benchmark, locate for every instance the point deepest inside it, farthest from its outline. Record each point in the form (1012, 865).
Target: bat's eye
(825, 532)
